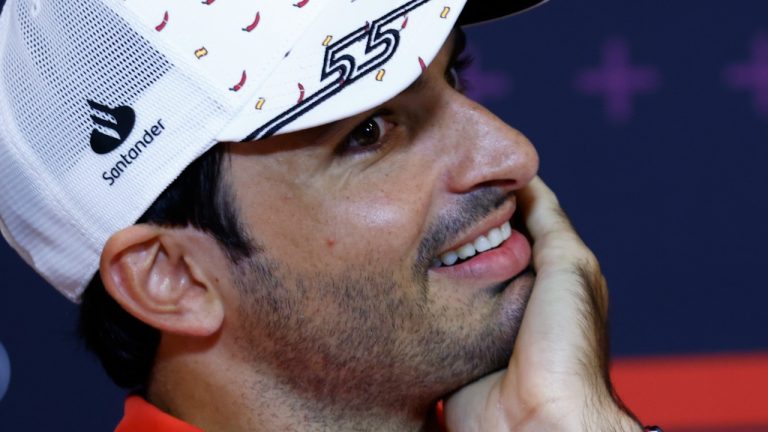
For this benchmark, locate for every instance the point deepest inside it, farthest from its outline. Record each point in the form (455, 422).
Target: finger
(557, 246)
(568, 274)
(559, 349)
(555, 240)
(541, 208)
(476, 406)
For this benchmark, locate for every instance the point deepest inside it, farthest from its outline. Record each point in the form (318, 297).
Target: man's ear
(165, 278)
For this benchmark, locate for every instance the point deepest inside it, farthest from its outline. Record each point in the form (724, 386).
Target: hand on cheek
(557, 378)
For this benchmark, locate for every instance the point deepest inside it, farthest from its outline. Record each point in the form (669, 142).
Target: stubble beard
(363, 337)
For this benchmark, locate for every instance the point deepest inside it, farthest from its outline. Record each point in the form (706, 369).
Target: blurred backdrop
(651, 119)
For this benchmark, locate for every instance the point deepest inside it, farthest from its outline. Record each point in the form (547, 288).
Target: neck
(217, 393)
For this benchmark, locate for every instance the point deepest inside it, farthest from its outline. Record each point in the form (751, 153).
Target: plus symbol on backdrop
(5, 371)
(753, 76)
(485, 85)
(618, 81)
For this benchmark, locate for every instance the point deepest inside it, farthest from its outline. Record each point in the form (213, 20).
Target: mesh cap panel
(91, 55)
(96, 122)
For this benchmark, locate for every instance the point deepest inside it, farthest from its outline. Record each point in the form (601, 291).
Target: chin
(491, 344)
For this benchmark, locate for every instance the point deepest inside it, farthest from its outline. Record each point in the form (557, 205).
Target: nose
(485, 151)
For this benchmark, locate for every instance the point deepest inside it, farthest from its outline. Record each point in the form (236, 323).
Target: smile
(483, 243)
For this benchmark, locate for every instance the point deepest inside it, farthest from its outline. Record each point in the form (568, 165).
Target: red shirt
(142, 416)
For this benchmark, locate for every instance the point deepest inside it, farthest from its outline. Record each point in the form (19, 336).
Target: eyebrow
(458, 42)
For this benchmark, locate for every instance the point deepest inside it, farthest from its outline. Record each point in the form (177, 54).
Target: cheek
(336, 218)
(375, 229)
(386, 214)
(377, 223)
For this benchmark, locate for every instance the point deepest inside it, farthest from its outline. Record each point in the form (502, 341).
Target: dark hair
(200, 197)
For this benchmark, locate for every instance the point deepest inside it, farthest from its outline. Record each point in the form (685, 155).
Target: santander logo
(112, 126)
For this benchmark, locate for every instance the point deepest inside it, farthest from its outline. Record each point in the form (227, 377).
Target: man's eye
(366, 136)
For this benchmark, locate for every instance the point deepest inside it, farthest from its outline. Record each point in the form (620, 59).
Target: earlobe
(156, 275)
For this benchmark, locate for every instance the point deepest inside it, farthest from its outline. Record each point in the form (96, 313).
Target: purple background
(651, 119)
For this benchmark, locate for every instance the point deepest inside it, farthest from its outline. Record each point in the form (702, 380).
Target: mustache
(468, 211)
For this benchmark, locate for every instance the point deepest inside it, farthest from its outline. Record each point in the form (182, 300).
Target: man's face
(344, 300)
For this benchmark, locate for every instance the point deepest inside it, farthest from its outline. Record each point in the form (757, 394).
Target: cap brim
(347, 64)
(477, 11)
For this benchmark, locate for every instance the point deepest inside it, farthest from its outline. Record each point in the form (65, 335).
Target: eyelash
(346, 148)
(454, 75)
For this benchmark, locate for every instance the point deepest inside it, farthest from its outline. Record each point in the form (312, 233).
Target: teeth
(466, 251)
(495, 237)
(449, 258)
(482, 243)
(506, 230)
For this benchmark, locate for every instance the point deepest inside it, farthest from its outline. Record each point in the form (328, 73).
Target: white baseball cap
(103, 103)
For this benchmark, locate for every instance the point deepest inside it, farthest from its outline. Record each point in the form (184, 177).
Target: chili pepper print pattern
(162, 24)
(240, 84)
(226, 64)
(301, 94)
(349, 55)
(254, 24)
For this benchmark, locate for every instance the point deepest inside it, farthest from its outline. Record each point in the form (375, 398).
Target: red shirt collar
(142, 416)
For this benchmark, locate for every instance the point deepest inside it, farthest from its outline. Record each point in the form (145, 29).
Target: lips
(504, 262)
(492, 252)
(483, 243)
